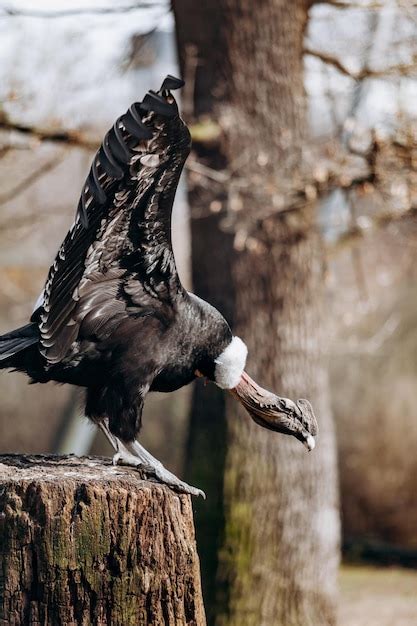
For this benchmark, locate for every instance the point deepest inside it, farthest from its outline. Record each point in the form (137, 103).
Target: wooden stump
(83, 542)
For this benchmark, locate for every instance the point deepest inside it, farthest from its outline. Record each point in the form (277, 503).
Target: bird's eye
(150, 160)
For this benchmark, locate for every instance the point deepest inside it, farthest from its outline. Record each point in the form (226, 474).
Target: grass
(371, 596)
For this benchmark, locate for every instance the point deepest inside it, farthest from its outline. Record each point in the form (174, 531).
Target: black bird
(114, 317)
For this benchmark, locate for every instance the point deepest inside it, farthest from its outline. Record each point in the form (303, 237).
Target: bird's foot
(155, 468)
(123, 457)
(134, 454)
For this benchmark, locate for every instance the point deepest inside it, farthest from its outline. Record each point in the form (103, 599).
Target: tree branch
(59, 136)
(364, 72)
(341, 4)
(11, 12)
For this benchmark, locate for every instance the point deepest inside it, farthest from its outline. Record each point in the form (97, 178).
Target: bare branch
(326, 58)
(403, 69)
(341, 4)
(60, 136)
(208, 172)
(12, 12)
(359, 229)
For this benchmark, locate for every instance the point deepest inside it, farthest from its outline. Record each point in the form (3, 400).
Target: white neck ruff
(230, 364)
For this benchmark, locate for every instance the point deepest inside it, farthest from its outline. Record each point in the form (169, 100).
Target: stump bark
(83, 542)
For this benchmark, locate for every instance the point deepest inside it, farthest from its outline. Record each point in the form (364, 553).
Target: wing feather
(117, 258)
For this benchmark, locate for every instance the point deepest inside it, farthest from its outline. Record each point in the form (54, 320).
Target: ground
(377, 596)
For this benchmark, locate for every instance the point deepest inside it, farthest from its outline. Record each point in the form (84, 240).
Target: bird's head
(265, 408)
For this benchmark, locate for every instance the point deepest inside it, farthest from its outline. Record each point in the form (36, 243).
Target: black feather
(115, 317)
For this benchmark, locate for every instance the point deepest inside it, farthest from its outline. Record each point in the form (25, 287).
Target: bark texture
(278, 526)
(83, 543)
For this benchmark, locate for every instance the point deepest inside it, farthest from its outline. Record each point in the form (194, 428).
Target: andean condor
(114, 317)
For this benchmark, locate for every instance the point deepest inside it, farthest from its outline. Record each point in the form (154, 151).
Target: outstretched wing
(117, 258)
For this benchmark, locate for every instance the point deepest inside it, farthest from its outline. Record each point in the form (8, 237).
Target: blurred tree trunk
(269, 532)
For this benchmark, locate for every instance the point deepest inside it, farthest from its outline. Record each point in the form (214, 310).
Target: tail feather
(15, 342)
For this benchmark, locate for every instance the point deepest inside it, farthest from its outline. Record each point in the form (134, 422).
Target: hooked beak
(275, 413)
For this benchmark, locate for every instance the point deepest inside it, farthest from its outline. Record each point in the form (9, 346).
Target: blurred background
(67, 71)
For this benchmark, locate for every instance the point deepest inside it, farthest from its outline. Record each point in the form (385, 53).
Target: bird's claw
(165, 477)
(159, 472)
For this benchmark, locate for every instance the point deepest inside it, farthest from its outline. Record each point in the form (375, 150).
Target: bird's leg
(104, 427)
(135, 455)
(122, 455)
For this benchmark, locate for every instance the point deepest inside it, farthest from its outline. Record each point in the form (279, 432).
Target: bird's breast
(172, 378)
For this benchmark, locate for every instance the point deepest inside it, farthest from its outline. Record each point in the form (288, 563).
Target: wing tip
(114, 153)
(172, 82)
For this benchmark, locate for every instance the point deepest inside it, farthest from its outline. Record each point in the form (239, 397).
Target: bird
(114, 318)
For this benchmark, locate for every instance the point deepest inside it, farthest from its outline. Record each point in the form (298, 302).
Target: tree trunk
(277, 532)
(83, 542)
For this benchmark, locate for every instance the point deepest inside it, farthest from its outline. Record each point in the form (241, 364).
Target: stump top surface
(55, 468)
(85, 542)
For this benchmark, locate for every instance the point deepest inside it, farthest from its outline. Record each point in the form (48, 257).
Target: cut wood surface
(84, 542)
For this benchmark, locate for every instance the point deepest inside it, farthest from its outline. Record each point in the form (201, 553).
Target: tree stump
(83, 542)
